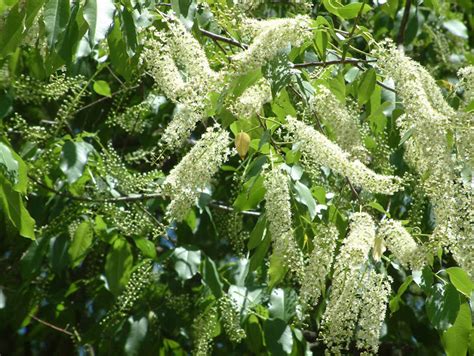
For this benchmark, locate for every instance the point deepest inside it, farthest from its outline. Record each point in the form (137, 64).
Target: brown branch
(403, 23)
(57, 328)
(221, 38)
(336, 61)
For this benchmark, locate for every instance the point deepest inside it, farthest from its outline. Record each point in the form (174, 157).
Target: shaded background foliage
(104, 273)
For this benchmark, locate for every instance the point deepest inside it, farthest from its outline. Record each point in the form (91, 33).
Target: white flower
(401, 244)
(252, 99)
(343, 123)
(273, 36)
(319, 265)
(278, 213)
(318, 150)
(194, 172)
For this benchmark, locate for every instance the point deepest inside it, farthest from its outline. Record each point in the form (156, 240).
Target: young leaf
(102, 88)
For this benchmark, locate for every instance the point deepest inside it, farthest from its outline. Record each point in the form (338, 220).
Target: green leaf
(186, 262)
(351, 10)
(118, 266)
(56, 16)
(277, 270)
(258, 233)
(457, 28)
(129, 31)
(456, 339)
(99, 14)
(59, 247)
(254, 333)
(31, 260)
(81, 242)
(260, 253)
(282, 304)
(13, 207)
(278, 337)
(211, 277)
(304, 196)
(442, 306)
(366, 86)
(74, 158)
(252, 194)
(146, 247)
(101, 87)
(8, 164)
(460, 279)
(394, 303)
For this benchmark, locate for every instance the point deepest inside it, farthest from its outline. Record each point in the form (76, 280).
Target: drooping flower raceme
(344, 305)
(318, 265)
(271, 37)
(428, 123)
(342, 122)
(252, 99)
(318, 150)
(180, 68)
(375, 296)
(278, 213)
(193, 173)
(399, 241)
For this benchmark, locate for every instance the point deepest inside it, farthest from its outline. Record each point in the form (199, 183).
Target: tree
(245, 178)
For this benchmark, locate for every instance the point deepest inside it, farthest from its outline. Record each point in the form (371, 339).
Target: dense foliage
(236, 177)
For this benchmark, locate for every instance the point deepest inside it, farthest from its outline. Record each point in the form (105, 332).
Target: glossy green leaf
(56, 16)
(138, 331)
(146, 247)
(101, 87)
(8, 164)
(258, 233)
(277, 270)
(442, 306)
(278, 337)
(252, 194)
(211, 277)
(366, 86)
(81, 242)
(186, 262)
(460, 279)
(74, 158)
(304, 196)
(457, 28)
(282, 304)
(118, 266)
(99, 14)
(456, 339)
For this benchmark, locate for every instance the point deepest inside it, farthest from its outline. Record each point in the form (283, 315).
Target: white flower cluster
(180, 67)
(194, 171)
(318, 265)
(467, 79)
(230, 319)
(271, 36)
(358, 297)
(428, 122)
(252, 99)
(278, 213)
(374, 298)
(399, 241)
(343, 123)
(318, 150)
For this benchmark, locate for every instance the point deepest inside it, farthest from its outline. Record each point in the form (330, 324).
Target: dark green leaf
(186, 262)
(211, 277)
(118, 266)
(73, 159)
(56, 16)
(442, 306)
(99, 14)
(278, 337)
(81, 242)
(283, 304)
(366, 86)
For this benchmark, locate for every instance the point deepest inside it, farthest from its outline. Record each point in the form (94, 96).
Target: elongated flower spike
(185, 181)
(318, 150)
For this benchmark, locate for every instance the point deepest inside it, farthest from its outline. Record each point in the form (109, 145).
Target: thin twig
(222, 206)
(403, 23)
(336, 61)
(57, 328)
(221, 38)
(351, 34)
(104, 98)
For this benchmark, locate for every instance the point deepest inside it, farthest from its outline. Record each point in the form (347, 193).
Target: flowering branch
(336, 61)
(221, 38)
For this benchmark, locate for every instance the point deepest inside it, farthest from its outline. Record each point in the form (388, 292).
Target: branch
(220, 205)
(336, 61)
(49, 325)
(403, 24)
(221, 38)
